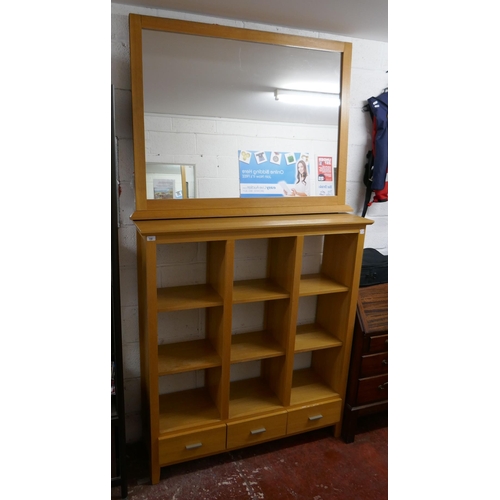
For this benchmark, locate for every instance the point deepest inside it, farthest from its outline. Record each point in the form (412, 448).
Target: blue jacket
(379, 109)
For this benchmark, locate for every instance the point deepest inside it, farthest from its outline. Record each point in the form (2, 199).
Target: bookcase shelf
(186, 409)
(316, 284)
(313, 336)
(254, 345)
(308, 387)
(252, 397)
(186, 356)
(273, 329)
(257, 290)
(187, 297)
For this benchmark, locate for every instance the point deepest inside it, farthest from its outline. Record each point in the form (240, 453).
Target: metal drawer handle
(384, 361)
(258, 431)
(383, 386)
(316, 417)
(193, 446)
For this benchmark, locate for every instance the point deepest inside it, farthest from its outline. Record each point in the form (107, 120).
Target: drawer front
(311, 417)
(378, 343)
(374, 364)
(372, 389)
(189, 445)
(255, 430)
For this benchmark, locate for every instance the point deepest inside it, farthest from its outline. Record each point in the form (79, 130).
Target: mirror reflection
(170, 182)
(221, 120)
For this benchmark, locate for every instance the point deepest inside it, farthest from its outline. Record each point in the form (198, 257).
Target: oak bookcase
(298, 368)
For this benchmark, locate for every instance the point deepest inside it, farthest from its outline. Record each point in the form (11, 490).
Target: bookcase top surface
(263, 224)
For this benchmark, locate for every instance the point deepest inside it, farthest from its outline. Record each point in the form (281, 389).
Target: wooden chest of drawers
(367, 387)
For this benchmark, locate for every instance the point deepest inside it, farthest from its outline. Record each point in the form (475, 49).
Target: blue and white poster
(266, 174)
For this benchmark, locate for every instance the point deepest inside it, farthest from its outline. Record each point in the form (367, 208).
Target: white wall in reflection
(212, 144)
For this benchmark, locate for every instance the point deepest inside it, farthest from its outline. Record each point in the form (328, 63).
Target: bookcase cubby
(245, 329)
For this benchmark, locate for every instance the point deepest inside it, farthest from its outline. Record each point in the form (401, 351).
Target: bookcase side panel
(148, 321)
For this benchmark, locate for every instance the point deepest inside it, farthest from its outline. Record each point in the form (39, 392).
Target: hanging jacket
(380, 144)
(376, 168)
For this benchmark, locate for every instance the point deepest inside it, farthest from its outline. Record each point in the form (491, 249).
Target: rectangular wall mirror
(230, 121)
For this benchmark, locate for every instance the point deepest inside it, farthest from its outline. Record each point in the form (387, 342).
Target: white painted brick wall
(212, 144)
(369, 78)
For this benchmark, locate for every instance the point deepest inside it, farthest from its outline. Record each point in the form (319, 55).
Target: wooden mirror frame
(147, 209)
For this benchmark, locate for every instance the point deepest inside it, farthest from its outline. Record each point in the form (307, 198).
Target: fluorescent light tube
(307, 98)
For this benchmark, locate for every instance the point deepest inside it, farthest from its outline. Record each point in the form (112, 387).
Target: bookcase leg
(337, 429)
(155, 474)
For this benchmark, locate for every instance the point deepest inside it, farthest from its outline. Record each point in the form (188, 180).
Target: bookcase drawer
(320, 415)
(189, 445)
(255, 430)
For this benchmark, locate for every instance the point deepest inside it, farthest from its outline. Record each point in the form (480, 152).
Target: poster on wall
(325, 176)
(163, 189)
(271, 174)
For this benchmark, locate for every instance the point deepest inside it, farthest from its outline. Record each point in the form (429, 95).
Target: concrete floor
(310, 466)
